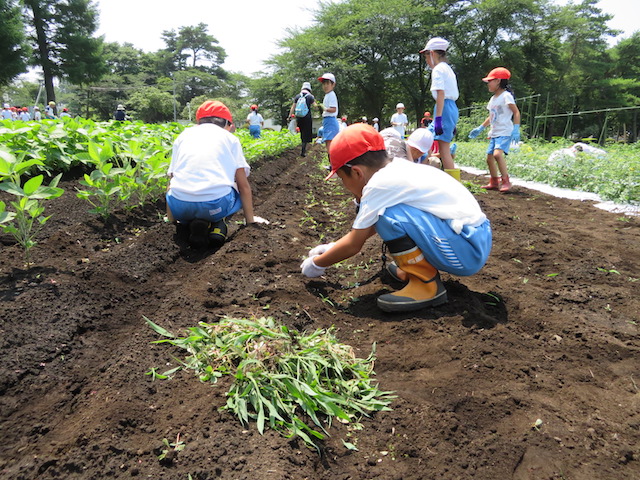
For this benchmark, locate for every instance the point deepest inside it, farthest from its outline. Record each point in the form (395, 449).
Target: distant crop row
(123, 165)
(614, 175)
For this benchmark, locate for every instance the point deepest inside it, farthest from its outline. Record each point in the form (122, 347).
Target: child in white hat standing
(444, 88)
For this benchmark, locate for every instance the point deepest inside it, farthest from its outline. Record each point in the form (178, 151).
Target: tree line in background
(559, 52)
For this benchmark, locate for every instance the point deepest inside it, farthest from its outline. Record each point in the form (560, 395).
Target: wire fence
(619, 124)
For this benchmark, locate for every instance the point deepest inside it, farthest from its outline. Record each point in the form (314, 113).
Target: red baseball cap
(213, 108)
(352, 142)
(500, 72)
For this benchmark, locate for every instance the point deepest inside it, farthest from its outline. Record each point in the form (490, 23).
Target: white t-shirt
(500, 115)
(443, 78)
(399, 118)
(330, 100)
(254, 118)
(204, 161)
(421, 186)
(6, 114)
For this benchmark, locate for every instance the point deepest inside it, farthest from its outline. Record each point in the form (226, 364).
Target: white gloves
(310, 269)
(260, 220)
(320, 249)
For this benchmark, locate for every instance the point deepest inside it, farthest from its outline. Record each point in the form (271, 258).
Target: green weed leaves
(282, 379)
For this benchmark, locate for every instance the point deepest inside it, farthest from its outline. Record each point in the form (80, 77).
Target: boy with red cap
(428, 220)
(208, 177)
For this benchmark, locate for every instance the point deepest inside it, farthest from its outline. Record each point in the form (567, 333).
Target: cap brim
(331, 175)
(486, 79)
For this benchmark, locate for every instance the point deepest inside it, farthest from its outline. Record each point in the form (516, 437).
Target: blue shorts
(254, 130)
(330, 128)
(499, 143)
(460, 254)
(450, 116)
(213, 211)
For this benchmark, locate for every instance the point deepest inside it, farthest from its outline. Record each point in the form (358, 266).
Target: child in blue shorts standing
(330, 124)
(504, 118)
(428, 220)
(444, 88)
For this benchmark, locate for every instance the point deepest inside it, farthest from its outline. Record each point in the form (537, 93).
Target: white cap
(6, 105)
(375, 119)
(422, 139)
(436, 43)
(327, 76)
(400, 105)
(306, 86)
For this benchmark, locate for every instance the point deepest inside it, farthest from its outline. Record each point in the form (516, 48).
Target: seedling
(171, 449)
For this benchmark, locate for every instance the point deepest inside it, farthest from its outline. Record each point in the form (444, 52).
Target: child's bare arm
(344, 248)
(516, 113)
(245, 194)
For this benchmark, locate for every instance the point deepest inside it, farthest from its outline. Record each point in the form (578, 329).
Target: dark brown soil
(547, 330)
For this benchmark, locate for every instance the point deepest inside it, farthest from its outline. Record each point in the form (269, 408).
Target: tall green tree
(62, 40)
(12, 61)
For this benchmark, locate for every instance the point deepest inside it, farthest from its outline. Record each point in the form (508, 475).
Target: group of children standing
(427, 219)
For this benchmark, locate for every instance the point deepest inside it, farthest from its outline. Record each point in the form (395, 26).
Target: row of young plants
(614, 176)
(124, 165)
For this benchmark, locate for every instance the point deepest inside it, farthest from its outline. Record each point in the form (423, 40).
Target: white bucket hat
(422, 139)
(306, 86)
(436, 43)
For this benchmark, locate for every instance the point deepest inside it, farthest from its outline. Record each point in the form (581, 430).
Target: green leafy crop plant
(282, 379)
(26, 219)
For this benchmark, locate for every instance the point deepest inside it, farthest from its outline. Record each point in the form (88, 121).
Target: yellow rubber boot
(454, 172)
(424, 289)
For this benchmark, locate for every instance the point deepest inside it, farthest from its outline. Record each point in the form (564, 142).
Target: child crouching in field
(427, 219)
(208, 177)
(504, 118)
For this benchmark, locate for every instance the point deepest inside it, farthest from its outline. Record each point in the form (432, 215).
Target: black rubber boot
(199, 233)
(218, 233)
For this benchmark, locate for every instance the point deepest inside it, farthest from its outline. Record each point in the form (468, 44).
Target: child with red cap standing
(504, 118)
(208, 177)
(428, 220)
(255, 121)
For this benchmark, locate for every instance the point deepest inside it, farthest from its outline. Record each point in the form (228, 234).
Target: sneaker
(218, 233)
(198, 233)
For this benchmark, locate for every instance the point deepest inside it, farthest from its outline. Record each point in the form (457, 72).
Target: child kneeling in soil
(208, 177)
(428, 220)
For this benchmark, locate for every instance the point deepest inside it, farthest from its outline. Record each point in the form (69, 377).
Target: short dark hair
(221, 122)
(372, 159)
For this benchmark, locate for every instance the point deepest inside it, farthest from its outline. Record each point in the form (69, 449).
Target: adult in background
(255, 121)
(399, 120)
(303, 116)
(121, 114)
(208, 178)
